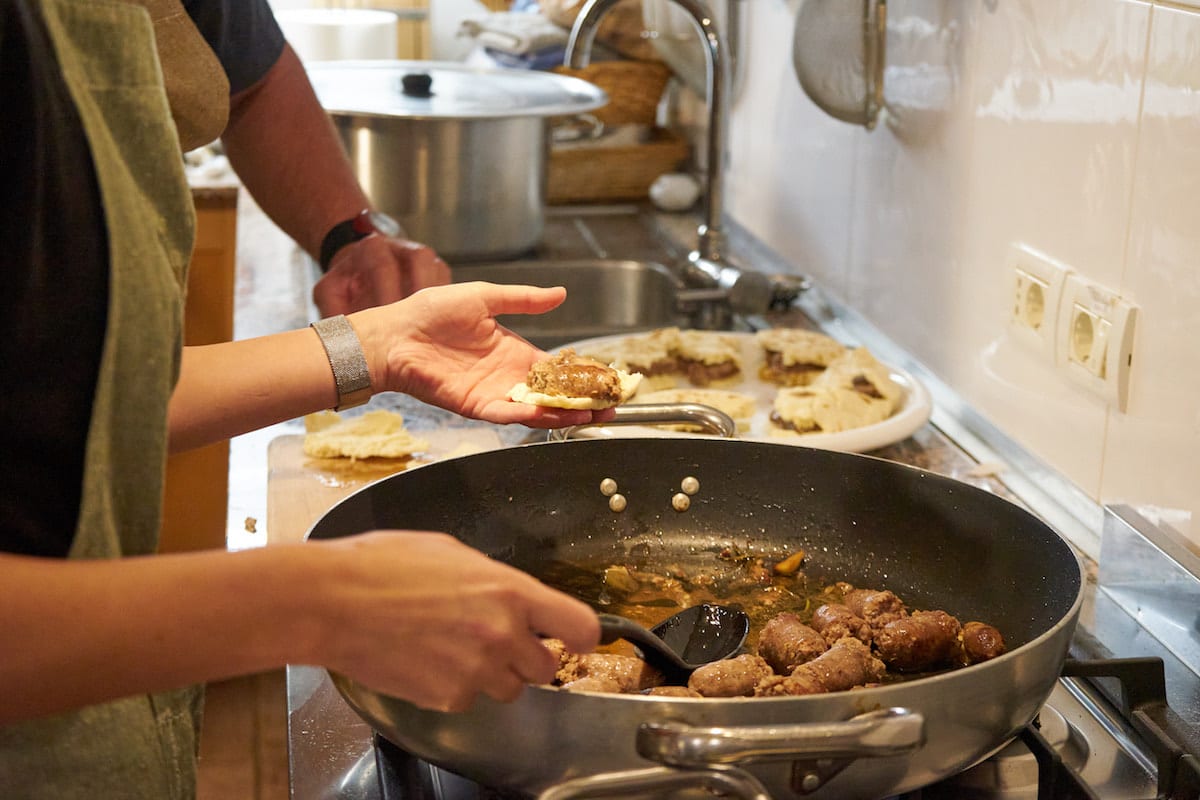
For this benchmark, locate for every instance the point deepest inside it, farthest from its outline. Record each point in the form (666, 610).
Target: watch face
(385, 224)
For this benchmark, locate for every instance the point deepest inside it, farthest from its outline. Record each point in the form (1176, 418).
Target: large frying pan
(936, 542)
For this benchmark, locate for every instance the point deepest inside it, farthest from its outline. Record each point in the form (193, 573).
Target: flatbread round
(376, 434)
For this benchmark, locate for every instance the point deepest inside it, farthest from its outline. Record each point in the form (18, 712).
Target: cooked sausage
(786, 642)
(835, 620)
(593, 683)
(672, 691)
(630, 672)
(922, 641)
(558, 648)
(981, 642)
(845, 665)
(878, 608)
(573, 375)
(733, 677)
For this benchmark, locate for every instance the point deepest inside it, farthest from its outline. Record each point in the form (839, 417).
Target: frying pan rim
(979, 670)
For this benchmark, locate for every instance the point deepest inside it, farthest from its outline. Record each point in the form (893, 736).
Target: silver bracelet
(347, 360)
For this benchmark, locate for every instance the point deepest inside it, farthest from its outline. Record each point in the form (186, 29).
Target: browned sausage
(786, 642)
(630, 672)
(672, 691)
(834, 620)
(733, 677)
(878, 608)
(593, 683)
(845, 665)
(923, 641)
(981, 642)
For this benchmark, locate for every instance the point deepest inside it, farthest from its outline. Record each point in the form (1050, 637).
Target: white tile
(1152, 455)
(791, 166)
(905, 265)
(1055, 105)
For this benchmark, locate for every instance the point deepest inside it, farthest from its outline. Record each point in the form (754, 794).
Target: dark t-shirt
(54, 295)
(243, 34)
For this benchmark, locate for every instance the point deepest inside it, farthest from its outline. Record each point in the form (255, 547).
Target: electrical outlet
(1036, 287)
(1095, 339)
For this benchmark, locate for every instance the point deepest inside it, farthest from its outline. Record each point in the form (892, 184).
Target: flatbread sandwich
(794, 356)
(651, 354)
(853, 391)
(569, 380)
(709, 358)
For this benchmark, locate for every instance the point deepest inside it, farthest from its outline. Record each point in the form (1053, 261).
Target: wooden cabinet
(195, 505)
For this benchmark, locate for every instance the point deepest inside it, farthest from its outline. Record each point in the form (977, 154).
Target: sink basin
(604, 297)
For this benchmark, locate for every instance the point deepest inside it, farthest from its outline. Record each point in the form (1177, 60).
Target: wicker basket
(633, 87)
(601, 174)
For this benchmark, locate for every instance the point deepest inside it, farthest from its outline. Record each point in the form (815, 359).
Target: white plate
(912, 414)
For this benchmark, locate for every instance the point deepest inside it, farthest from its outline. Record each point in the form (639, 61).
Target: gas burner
(1013, 772)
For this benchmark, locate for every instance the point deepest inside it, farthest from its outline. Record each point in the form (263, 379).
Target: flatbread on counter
(795, 356)
(740, 407)
(567, 380)
(375, 434)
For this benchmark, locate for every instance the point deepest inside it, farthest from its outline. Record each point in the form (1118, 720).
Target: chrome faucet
(579, 48)
(745, 291)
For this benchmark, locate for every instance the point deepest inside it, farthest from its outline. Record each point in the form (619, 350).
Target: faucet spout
(709, 254)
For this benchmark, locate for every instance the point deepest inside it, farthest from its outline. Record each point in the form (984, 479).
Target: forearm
(230, 388)
(286, 151)
(78, 632)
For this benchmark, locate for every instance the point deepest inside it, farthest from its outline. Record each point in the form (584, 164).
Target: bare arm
(441, 345)
(374, 607)
(285, 149)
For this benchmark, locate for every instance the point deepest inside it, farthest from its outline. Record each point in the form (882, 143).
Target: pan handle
(884, 732)
(710, 419)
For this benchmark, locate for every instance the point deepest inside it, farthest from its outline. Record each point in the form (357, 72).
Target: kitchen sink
(604, 297)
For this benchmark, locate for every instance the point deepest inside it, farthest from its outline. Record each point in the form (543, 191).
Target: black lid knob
(417, 84)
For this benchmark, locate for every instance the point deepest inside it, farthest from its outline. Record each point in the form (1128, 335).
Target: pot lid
(447, 90)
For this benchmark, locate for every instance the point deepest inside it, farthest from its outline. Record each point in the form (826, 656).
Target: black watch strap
(360, 226)
(350, 230)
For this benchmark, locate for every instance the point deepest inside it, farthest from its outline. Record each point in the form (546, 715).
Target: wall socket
(1084, 329)
(1095, 339)
(1037, 282)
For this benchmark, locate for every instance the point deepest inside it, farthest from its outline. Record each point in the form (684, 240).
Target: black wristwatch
(360, 226)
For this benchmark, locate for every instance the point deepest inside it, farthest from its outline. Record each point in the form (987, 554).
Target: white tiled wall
(1072, 126)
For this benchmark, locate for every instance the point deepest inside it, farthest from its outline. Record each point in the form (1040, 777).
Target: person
(287, 154)
(104, 643)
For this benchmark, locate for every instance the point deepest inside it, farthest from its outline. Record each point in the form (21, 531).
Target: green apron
(144, 747)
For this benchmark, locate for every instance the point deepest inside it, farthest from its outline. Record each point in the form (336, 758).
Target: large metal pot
(936, 542)
(457, 154)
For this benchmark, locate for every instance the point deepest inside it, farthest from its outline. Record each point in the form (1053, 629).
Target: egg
(674, 191)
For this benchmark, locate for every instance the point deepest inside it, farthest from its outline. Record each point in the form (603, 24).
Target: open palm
(447, 349)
